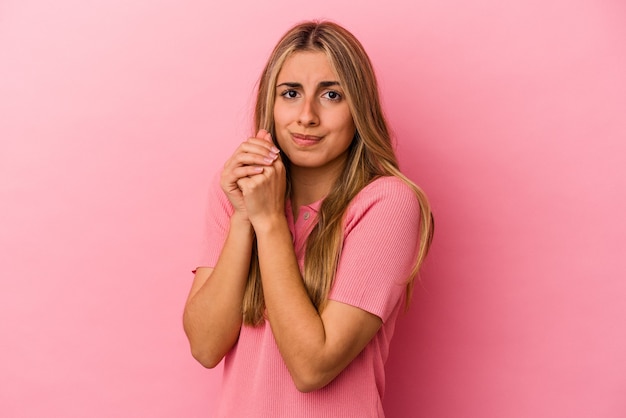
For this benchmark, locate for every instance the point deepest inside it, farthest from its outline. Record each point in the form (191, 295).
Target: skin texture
(314, 128)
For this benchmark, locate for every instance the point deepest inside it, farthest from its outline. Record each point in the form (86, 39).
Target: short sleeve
(216, 224)
(380, 244)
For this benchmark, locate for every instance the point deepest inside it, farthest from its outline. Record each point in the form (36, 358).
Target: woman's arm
(316, 348)
(213, 312)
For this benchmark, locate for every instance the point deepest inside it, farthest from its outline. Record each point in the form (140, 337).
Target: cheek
(276, 113)
(280, 140)
(279, 134)
(345, 123)
(282, 117)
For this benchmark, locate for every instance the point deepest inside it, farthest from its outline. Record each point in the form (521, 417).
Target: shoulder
(388, 187)
(387, 191)
(385, 198)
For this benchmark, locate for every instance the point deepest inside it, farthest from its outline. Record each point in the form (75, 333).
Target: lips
(305, 140)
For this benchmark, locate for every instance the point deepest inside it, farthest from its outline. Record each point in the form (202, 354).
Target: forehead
(306, 66)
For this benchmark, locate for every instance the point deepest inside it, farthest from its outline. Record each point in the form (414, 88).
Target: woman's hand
(249, 160)
(263, 193)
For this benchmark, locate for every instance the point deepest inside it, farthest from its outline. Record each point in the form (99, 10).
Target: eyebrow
(322, 84)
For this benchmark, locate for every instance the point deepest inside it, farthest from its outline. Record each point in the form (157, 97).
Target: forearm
(296, 324)
(213, 312)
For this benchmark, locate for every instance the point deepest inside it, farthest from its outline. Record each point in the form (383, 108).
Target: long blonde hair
(371, 155)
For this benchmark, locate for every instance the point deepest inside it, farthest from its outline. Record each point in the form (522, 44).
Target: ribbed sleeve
(216, 225)
(381, 237)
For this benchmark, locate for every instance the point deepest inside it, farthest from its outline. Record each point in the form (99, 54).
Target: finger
(265, 135)
(268, 137)
(279, 165)
(250, 154)
(242, 185)
(264, 142)
(247, 171)
(261, 133)
(259, 146)
(247, 185)
(255, 145)
(249, 160)
(231, 176)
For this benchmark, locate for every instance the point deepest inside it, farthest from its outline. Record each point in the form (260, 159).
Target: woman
(314, 239)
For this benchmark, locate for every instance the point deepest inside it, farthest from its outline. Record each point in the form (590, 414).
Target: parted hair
(371, 155)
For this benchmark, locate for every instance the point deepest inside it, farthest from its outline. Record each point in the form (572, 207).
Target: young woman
(315, 237)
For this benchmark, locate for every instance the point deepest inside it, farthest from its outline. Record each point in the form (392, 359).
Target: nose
(308, 113)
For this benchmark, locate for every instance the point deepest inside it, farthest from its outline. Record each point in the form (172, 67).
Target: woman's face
(313, 123)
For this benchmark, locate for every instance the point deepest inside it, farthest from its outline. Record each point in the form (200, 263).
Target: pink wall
(512, 116)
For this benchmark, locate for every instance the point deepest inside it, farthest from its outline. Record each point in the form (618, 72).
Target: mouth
(305, 140)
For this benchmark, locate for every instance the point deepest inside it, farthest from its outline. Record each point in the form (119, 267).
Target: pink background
(114, 114)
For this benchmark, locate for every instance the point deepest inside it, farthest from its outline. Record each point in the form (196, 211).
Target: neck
(309, 185)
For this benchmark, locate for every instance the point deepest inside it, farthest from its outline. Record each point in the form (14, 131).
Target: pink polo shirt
(380, 237)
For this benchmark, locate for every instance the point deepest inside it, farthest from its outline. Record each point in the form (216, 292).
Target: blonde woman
(314, 240)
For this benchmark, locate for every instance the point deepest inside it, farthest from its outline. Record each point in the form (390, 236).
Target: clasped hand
(254, 180)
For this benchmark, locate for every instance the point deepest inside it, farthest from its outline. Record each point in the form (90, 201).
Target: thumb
(262, 134)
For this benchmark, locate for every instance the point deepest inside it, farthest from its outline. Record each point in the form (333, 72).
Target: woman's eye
(332, 95)
(290, 94)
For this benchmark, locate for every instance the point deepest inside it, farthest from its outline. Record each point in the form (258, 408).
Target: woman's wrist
(270, 223)
(238, 220)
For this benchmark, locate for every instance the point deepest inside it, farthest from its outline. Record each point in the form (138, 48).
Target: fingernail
(275, 150)
(269, 160)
